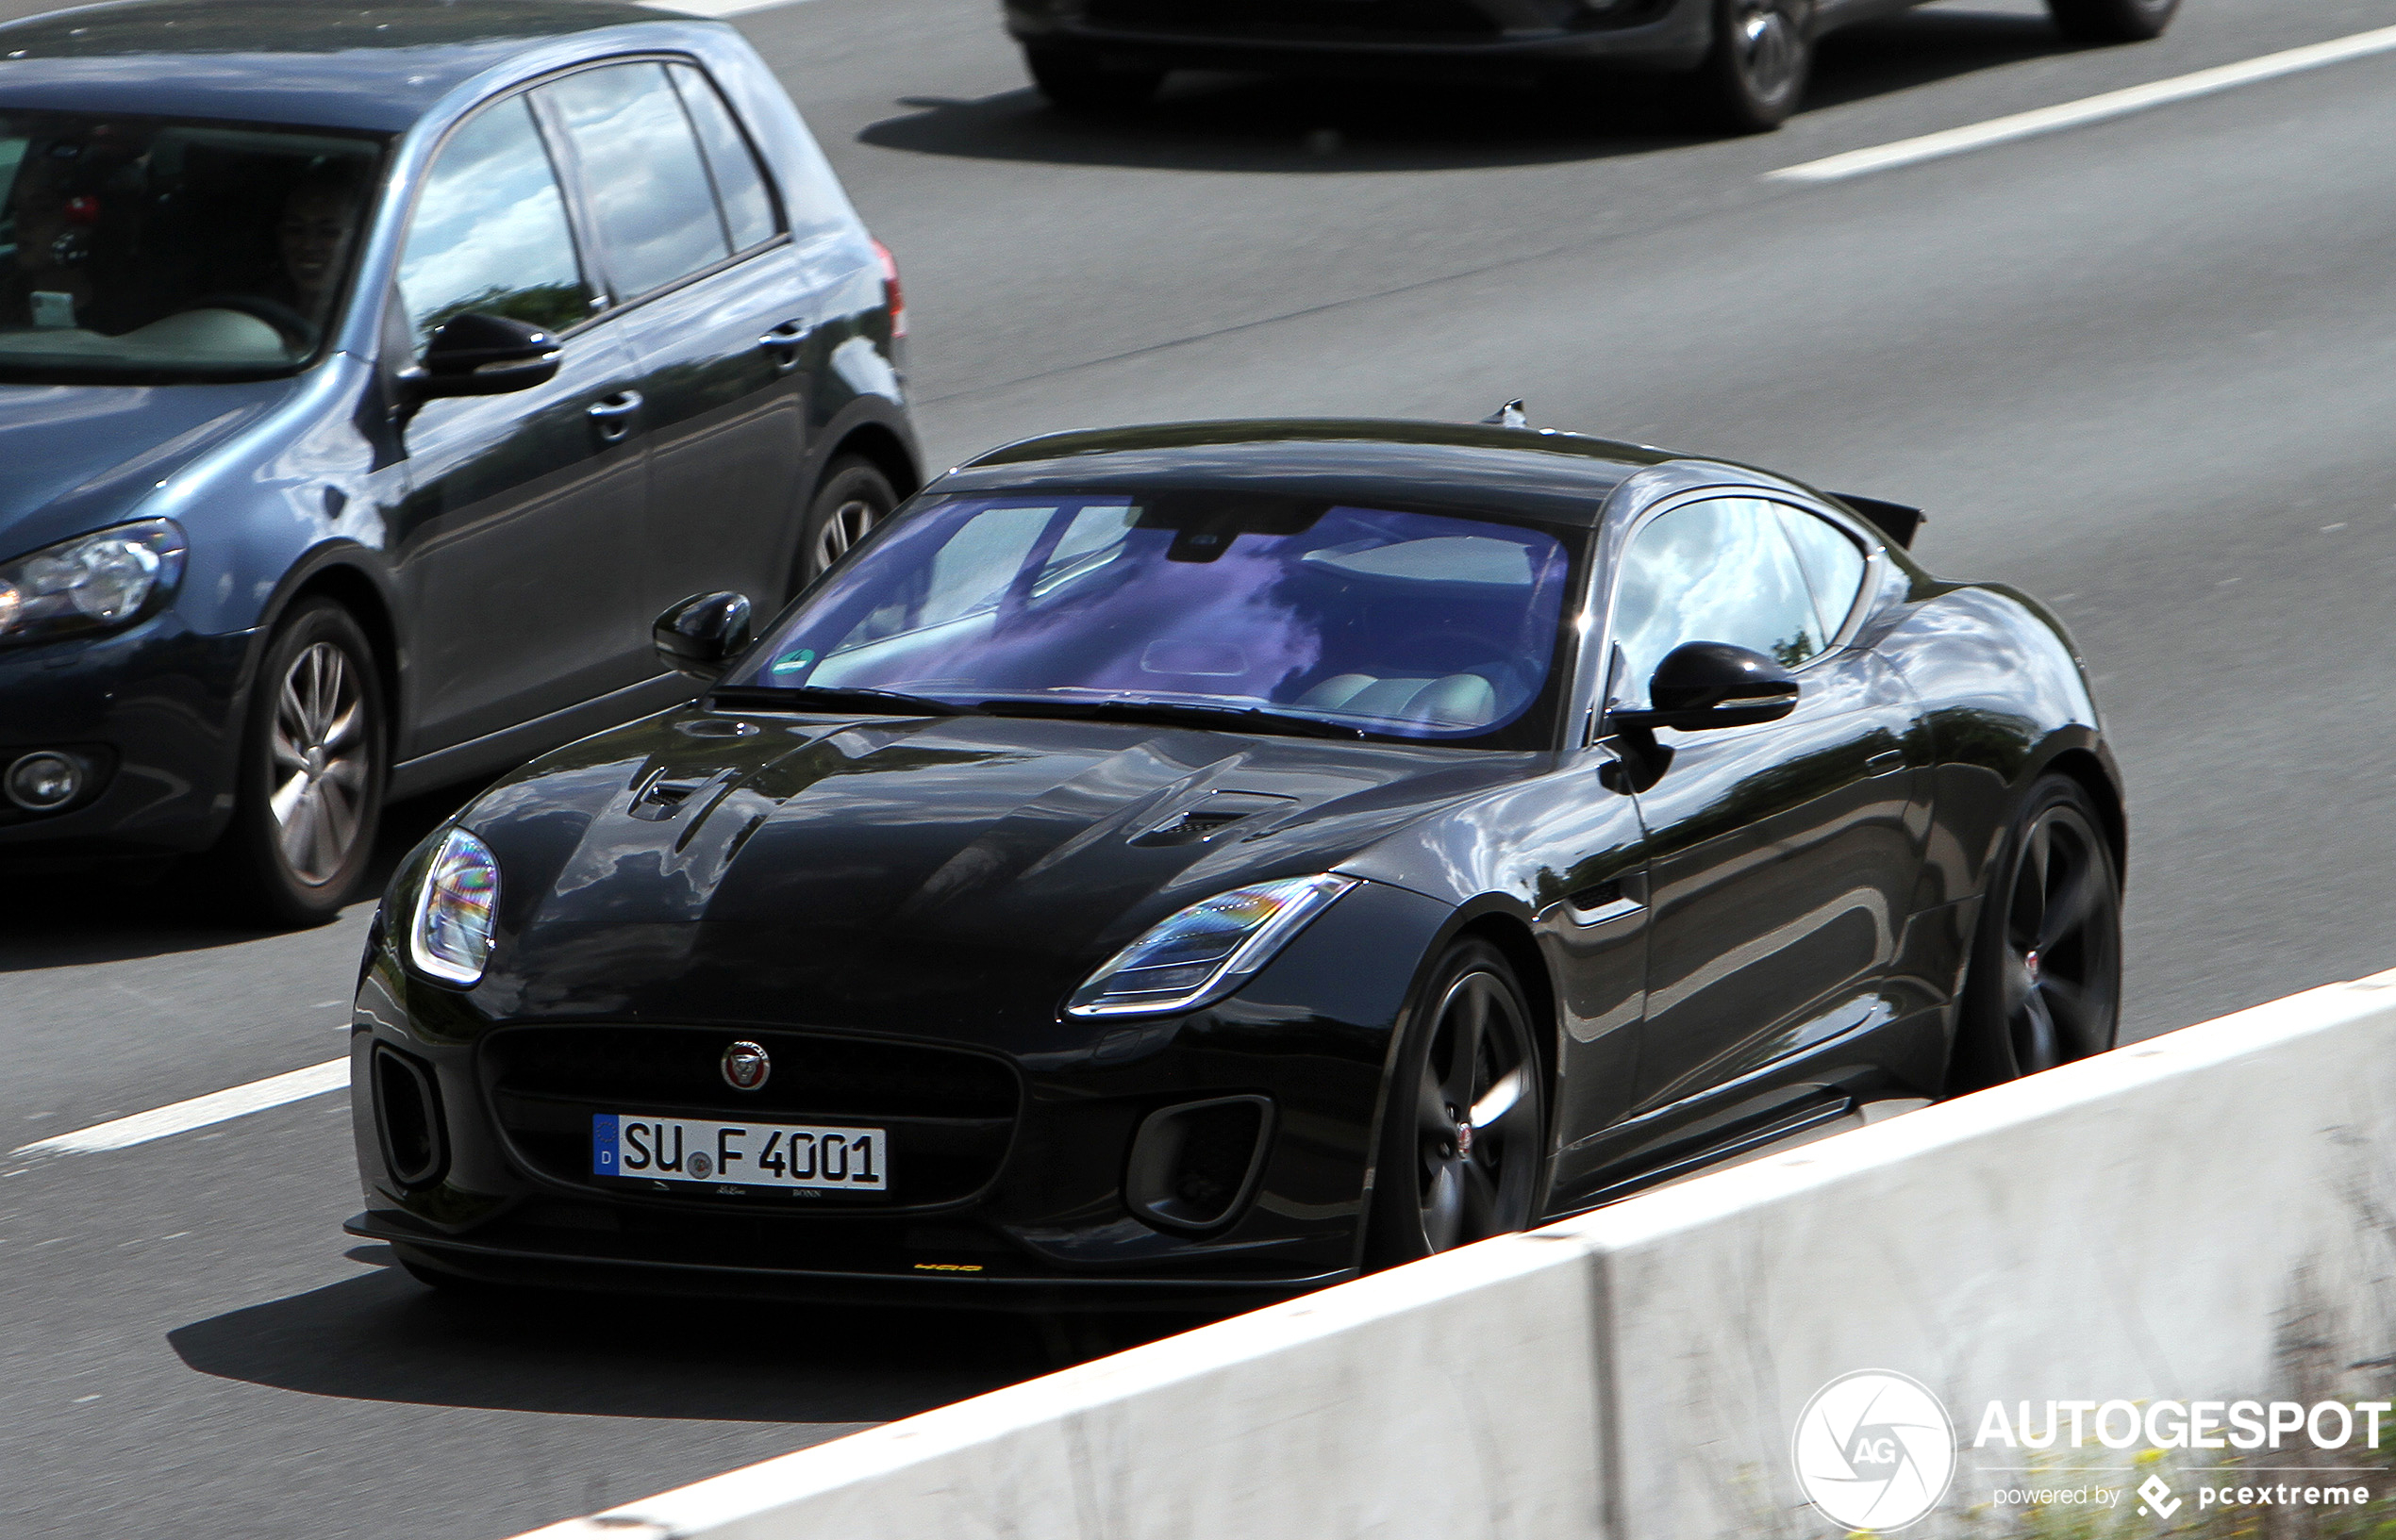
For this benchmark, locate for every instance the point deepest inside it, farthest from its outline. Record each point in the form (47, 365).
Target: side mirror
(702, 633)
(479, 354)
(1712, 683)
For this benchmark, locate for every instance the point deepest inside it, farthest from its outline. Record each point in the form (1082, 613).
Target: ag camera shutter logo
(1874, 1450)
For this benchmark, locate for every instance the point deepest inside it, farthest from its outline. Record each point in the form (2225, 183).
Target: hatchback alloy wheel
(320, 764)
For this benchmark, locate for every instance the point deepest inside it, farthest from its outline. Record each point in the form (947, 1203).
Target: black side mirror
(479, 354)
(1712, 683)
(702, 633)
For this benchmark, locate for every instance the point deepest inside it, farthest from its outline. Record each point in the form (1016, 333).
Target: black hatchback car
(1206, 860)
(369, 375)
(1744, 62)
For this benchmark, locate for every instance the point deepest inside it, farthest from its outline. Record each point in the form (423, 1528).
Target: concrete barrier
(2209, 1216)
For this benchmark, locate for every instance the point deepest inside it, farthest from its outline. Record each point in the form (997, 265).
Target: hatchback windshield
(1361, 621)
(148, 249)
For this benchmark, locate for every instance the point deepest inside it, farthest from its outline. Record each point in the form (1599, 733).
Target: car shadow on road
(110, 913)
(1209, 122)
(382, 1336)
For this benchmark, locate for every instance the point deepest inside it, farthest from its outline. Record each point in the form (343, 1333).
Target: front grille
(1392, 18)
(949, 1114)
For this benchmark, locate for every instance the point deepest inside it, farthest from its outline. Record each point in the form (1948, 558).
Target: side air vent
(1211, 815)
(1193, 1166)
(408, 1117)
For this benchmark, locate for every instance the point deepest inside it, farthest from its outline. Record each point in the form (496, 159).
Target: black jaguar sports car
(1207, 861)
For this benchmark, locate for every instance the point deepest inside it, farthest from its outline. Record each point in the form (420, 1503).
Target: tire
(1755, 75)
(2112, 21)
(1074, 81)
(315, 757)
(853, 497)
(2044, 986)
(1443, 1179)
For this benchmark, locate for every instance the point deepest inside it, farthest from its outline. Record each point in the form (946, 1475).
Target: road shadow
(382, 1336)
(113, 911)
(1213, 122)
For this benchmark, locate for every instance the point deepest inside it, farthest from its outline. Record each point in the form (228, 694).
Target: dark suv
(369, 378)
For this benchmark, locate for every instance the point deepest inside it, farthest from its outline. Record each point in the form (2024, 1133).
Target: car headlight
(450, 937)
(1206, 950)
(92, 583)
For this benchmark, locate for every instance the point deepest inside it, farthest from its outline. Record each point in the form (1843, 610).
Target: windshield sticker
(790, 663)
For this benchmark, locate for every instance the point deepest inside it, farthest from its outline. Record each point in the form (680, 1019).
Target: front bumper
(156, 709)
(1372, 36)
(1011, 1169)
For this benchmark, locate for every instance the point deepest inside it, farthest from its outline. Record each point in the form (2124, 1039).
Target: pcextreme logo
(1874, 1451)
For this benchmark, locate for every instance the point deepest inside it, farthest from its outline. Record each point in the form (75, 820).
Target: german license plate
(684, 1149)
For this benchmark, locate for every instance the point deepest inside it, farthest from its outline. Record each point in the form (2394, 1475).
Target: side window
(739, 184)
(490, 231)
(1833, 565)
(1716, 570)
(656, 218)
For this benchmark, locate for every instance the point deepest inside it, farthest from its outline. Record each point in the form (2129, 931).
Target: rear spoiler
(1894, 520)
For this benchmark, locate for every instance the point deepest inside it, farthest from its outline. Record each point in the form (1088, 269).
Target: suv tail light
(892, 295)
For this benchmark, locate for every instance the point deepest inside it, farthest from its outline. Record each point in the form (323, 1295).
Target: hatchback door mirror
(1713, 684)
(479, 354)
(702, 633)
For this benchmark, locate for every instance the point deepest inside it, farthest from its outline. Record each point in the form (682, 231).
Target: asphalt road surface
(2145, 368)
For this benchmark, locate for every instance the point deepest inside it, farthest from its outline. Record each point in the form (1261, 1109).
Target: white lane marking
(718, 8)
(2113, 103)
(182, 1116)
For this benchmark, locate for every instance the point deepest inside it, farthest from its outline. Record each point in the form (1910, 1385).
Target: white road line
(2113, 103)
(718, 8)
(181, 1117)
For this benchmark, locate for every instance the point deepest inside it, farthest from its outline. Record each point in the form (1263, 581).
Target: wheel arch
(877, 444)
(335, 573)
(2082, 766)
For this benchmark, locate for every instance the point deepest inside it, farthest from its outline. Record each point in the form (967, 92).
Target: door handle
(1887, 762)
(612, 415)
(784, 342)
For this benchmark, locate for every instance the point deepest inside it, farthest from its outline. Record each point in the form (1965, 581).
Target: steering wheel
(300, 331)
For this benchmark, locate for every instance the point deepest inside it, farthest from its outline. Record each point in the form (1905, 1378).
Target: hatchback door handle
(612, 415)
(783, 341)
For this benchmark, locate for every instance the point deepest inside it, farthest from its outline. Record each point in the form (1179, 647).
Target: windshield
(1388, 625)
(149, 250)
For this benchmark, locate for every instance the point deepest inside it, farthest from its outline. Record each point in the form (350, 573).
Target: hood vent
(662, 795)
(1210, 814)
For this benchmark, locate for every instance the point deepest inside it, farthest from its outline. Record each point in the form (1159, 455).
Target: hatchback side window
(490, 231)
(1717, 570)
(1832, 562)
(739, 184)
(654, 214)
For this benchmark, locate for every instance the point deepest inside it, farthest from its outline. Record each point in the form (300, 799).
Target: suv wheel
(1755, 75)
(2111, 20)
(314, 757)
(855, 497)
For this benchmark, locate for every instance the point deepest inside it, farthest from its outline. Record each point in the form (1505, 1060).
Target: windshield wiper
(839, 698)
(1176, 714)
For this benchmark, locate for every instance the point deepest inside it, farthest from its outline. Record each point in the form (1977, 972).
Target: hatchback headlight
(1206, 950)
(92, 583)
(450, 937)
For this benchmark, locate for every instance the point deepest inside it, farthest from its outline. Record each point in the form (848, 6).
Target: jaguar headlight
(450, 937)
(1207, 950)
(92, 583)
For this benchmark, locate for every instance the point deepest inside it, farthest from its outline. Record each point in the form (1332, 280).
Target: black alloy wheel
(1756, 74)
(2044, 985)
(854, 497)
(1076, 81)
(314, 757)
(2112, 21)
(1462, 1151)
